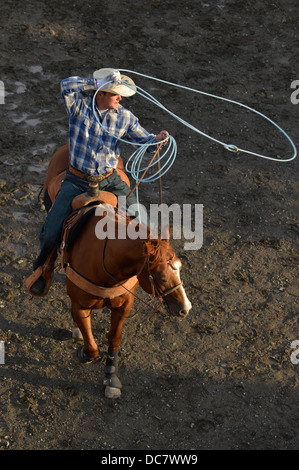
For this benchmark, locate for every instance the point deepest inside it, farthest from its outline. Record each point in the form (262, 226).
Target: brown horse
(106, 272)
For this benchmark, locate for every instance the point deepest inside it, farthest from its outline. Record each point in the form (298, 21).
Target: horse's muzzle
(178, 308)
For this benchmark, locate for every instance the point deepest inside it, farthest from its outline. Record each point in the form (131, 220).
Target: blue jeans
(71, 187)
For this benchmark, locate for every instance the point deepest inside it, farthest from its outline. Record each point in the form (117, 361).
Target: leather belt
(93, 178)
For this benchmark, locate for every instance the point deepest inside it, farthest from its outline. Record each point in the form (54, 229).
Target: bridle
(157, 292)
(156, 289)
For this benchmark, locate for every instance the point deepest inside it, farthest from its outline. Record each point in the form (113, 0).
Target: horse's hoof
(112, 392)
(83, 357)
(77, 335)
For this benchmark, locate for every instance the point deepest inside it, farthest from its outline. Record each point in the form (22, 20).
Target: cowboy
(93, 149)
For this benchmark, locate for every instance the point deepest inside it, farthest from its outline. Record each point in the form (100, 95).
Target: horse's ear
(165, 233)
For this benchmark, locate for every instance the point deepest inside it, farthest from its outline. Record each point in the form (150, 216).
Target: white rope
(230, 147)
(134, 163)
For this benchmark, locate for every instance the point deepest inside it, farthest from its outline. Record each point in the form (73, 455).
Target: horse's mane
(157, 250)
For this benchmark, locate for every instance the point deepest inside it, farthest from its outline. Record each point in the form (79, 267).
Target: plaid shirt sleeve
(137, 134)
(75, 91)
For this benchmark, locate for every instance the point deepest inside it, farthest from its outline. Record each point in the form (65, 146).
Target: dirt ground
(223, 377)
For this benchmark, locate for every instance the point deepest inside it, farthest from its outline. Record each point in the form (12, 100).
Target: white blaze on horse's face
(177, 300)
(187, 304)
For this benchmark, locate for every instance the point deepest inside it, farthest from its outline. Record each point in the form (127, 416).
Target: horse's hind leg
(83, 321)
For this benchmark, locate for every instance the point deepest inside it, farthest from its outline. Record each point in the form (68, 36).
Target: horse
(106, 271)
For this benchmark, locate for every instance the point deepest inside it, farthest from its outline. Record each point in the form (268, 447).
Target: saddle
(56, 173)
(83, 207)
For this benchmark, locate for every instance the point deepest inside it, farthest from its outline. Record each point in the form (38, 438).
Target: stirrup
(46, 270)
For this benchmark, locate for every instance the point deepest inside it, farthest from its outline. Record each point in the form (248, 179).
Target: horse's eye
(172, 267)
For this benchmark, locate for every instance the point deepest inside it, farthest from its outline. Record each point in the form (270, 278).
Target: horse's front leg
(82, 320)
(76, 333)
(111, 381)
(118, 315)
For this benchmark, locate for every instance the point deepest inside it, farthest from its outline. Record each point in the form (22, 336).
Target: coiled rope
(134, 162)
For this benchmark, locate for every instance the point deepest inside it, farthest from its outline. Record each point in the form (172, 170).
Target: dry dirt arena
(225, 377)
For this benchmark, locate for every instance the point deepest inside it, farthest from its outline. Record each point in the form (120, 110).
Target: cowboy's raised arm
(75, 92)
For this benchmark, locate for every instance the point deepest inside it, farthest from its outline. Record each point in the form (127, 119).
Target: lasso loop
(134, 164)
(229, 147)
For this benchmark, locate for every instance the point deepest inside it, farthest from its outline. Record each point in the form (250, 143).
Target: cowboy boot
(39, 286)
(39, 282)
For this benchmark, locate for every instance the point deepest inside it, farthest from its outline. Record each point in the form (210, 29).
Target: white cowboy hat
(112, 81)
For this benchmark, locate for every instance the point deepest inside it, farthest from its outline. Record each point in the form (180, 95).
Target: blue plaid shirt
(92, 150)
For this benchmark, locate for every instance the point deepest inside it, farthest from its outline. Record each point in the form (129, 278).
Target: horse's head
(162, 277)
